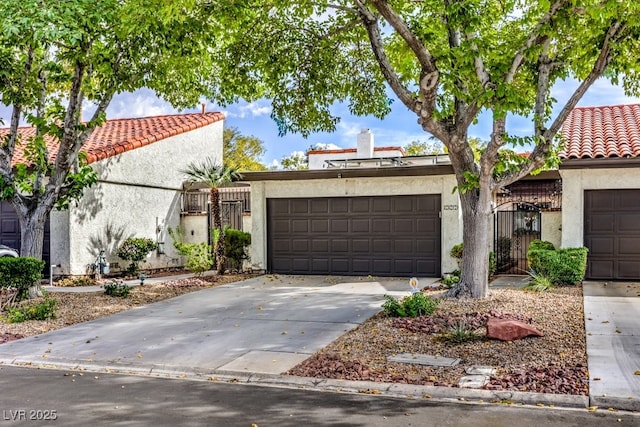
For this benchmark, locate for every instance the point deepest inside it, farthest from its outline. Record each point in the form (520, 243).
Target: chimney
(204, 108)
(365, 144)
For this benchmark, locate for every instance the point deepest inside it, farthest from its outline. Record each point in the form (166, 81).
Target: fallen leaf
(592, 408)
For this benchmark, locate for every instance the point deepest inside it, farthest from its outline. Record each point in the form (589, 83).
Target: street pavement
(77, 398)
(254, 330)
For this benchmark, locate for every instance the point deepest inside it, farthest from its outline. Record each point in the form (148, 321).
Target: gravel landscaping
(554, 363)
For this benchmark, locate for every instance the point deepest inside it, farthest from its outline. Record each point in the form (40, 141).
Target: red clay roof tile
(602, 132)
(120, 135)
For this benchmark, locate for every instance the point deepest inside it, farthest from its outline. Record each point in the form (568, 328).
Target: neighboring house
(400, 217)
(601, 188)
(138, 193)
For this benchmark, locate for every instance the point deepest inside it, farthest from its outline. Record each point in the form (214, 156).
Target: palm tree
(214, 175)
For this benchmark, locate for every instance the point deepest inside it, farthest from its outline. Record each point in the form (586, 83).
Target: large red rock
(510, 330)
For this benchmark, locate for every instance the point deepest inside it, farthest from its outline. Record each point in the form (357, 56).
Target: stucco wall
(138, 194)
(352, 187)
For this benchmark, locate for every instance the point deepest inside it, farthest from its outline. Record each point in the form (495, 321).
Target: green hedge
(562, 266)
(236, 243)
(20, 273)
(541, 244)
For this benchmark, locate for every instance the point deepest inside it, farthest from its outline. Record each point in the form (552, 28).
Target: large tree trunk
(32, 223)
(476, 217)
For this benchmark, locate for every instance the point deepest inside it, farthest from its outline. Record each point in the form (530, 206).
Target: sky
(398, 128)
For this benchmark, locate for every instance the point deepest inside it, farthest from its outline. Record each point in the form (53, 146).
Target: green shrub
(236, 243)
(492, 264)
(20, 273)
(135, 250)
(199, 258)
(456, 251)
(414, 305)
(117, 289)
(541, 244)
(38, 311)
(450, 280)
(460, 333)
(562, 266)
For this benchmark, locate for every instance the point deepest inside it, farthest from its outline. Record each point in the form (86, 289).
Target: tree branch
(370, 22)
(534, 38)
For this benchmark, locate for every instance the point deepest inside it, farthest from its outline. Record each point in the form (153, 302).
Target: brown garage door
(381, 236)
(10, 232)
(612, 234)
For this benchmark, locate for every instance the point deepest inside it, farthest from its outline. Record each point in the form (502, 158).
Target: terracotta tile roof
(120, 135)
(602, 132)
(354, 150)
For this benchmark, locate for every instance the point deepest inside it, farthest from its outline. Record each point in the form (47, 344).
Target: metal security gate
(513, 232)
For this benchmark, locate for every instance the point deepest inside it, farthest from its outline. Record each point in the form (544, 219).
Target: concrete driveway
(612, 324)
(266, 324)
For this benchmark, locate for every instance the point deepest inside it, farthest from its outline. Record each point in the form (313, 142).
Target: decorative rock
(510, 330)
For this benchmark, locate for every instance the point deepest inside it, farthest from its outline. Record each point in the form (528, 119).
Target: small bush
(69, 282)
(20, 273)
(236, 243)
(562, 266)
(199, 258)
(539, 282)
(414, 305)
(460, 333)
(450, 280)
(541, 245)
(117, 289)
(135, 250)
(456, 251)
(40, 311)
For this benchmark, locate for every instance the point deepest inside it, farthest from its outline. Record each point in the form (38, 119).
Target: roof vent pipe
(365, 144)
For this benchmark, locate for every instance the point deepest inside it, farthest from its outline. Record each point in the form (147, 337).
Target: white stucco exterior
(551, 227)
(574, 184)
(137, 195)
(451, 221)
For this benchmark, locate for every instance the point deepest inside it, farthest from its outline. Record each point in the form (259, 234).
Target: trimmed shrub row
(562, 266)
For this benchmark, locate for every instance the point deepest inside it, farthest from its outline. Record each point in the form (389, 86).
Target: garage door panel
(612, 234)
(319, 245)
(361, 245)
(319, 206)
(300, 245)
(628, 223)
(339, 205)
(339, 225)
(404, 225)
(299, 206)
(381, 225)
(300, 226)
(628, 246)
(403, 246)
(601, 245)
(601, 223)
(386, 235)
(360, 225)
(319, 226)
(340, 245)
(340, 265)
(628, 269)
(427, 225)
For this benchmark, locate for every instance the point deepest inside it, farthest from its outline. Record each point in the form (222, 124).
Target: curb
(396, 390)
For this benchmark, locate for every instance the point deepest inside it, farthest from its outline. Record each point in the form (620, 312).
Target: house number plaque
(450, 207)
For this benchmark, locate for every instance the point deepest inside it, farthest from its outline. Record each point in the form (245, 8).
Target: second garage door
(381, 236)
(612, 234)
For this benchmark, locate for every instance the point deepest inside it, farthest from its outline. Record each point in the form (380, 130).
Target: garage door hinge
(440, 214)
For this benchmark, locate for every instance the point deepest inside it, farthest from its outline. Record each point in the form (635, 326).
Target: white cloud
(250, 109)
(138, 104)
